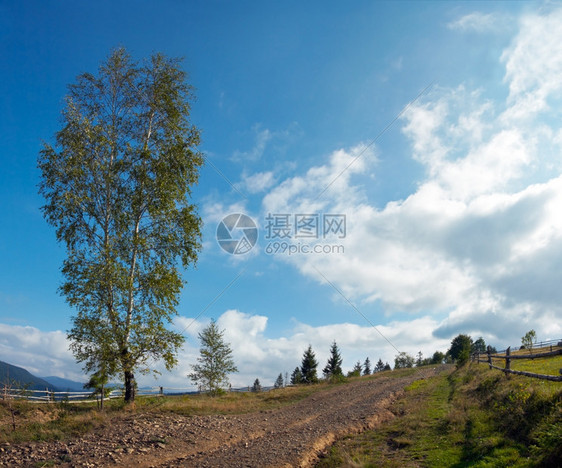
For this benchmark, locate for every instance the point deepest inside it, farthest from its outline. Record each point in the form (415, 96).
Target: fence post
(507, 359)
(489, 352)
(161, 390)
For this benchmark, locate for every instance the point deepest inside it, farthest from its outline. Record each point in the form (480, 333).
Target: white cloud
(477, 22)
(533, 64)
(482, 234)
(258, 356)
(256, 183)
(41, 353)
(261, 139)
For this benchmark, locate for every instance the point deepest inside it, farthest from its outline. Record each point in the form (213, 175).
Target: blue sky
(452, 213)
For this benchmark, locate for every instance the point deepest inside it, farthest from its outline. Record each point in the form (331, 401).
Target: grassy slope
(473, 416)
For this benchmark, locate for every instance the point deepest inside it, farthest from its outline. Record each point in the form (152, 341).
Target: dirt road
(292, 436)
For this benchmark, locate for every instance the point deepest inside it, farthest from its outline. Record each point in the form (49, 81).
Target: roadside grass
(228, 403)
(473, 416)
(34, 422)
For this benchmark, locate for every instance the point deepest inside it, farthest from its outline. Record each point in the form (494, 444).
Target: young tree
(479, 346)
(387, 367)
(403, 360)
(419, 360)
(296, 376)
(333, 366)
(356, 371)
(257, 386)
(215, 361)
(437, 358)
(379, 367)
(367, 367)
(117, 186)
(308, 366)
(460, 348)
(529, 340)
(279, 382)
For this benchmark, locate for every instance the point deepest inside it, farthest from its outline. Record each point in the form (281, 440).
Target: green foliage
(117, 186)
(529, 339)
(308, 367)
(256, 387)
(296, 376)
(356, 371)
(379, 367)
(403, 360)
(333, 366)
(437, 358)
(279, 381)
(461, 345)
(367, 367)
(419, 360)
(215, 361)
(479, 346)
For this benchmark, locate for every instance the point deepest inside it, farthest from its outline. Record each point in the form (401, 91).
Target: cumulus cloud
(257, 182)
(259, 356)
(480, 238)
(41, 353)
(533, 64)
(256, 354)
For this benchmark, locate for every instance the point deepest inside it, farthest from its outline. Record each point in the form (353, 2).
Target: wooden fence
(508, 356)
(49, 396)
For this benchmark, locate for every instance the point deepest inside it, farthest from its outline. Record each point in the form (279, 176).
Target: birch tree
(117, 184)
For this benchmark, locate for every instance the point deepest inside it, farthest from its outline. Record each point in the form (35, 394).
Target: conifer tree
(333, 366)
(257, 386)
(296, 376)
(279, 382)
(308, 366)
(367, 367)
(379, 367)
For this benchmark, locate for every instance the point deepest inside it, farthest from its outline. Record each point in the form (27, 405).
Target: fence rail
(554, 350)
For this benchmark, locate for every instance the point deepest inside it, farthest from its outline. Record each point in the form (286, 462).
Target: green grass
(473, 416)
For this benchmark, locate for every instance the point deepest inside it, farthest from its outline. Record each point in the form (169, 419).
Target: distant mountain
(65, 385)
(18, 377)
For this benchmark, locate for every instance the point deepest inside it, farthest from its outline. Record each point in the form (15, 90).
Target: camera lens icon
(237, 234)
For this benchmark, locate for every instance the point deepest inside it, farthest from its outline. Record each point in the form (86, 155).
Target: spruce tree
(356, 371)
(279, 382)
(296, 376)
(367, 367)
(333, 366)
(308, 366)
(379, 367)
(257, 386)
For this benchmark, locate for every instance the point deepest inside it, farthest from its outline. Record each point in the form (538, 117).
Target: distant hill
(21, 378)
(65, 385)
